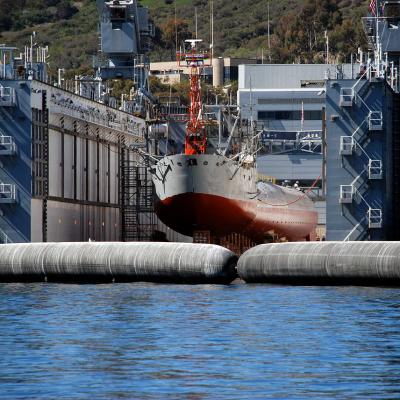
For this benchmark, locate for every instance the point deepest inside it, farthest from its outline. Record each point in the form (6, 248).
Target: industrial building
(60, 161)
(342, 120)
(222, 72)
(68, 171)
(362, 126)
(363, 147)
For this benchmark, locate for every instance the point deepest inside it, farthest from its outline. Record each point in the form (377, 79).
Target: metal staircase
(353, 146)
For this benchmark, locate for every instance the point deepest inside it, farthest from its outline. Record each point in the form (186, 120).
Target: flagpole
(377, 4)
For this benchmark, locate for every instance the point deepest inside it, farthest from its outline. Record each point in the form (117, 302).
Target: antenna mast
(196, 138)
(195, 13)
(212, 29)
(269, 36)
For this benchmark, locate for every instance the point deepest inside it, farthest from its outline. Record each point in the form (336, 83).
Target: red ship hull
(190, 212)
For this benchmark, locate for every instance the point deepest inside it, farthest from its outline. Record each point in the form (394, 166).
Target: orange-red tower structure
(196, 137)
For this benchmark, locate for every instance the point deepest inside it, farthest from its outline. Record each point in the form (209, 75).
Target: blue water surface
(144, 341)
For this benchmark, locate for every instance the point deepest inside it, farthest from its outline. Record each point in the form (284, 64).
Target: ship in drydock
(205, 190)
(210, 192)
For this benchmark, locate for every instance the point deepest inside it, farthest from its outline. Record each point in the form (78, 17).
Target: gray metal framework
(353, 146)
(125, 32)
(138, 218)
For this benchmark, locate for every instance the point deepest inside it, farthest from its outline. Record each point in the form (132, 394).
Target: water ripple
(149, 341)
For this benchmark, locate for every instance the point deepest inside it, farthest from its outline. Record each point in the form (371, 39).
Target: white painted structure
(287, 97)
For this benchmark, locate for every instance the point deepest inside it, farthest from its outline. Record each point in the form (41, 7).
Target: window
(314, 115)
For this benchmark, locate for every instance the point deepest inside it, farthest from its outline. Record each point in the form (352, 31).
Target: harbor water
(146, 341)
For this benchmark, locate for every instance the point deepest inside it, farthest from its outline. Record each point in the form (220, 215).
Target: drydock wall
(349, 219)
(65, 167)
(15, 161)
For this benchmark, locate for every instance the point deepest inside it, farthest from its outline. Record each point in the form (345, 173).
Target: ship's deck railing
(266, 178)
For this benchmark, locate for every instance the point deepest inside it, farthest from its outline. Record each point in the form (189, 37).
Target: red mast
(196, 138)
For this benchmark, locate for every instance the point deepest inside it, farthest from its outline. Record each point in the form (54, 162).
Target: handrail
(362, 150)
(356, 191)
(362, 101)
(8, 189)
(347, 238)
(8, 142)
(359, 127)
(357, 178)
(4, 238)
(361, 77)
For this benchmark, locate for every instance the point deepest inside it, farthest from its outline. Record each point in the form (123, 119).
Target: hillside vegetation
(297, 28)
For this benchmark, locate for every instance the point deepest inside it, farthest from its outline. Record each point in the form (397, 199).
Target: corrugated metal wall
(289, 76)
(80, 198)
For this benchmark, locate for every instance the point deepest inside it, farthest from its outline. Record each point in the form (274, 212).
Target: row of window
(319, 100)
(315, 115)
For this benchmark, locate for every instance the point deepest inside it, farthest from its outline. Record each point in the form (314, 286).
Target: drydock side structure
(213, 191)
(363, 138)
(66, 170)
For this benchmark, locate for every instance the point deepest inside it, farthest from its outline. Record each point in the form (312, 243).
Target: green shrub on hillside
(297, 27)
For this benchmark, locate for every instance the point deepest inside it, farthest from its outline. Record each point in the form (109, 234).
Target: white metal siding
(68, 170)
(291, 166)
(55, 168)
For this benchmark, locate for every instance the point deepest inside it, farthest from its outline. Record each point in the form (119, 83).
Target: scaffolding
(138, 219)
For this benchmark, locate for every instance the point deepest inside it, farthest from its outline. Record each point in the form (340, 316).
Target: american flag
(373, 7)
